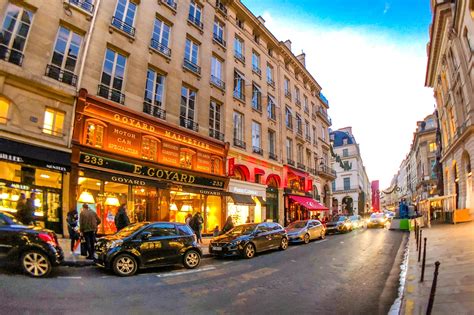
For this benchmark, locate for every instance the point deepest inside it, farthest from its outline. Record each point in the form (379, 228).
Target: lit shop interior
(241, 207)
(147, 203)
(17, 179)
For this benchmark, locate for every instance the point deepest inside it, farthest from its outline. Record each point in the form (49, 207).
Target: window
(256, 97)
(433, 169)
(314, 135)
(187, 108)
(307, 132)
(124, 16)
(195, 14)
(238, 126)
(452, 124)
(289, 148)
(305, 104)
(191, 55)
(239, 49)
(271, 142)
(216, 165)
(314, 109)
(154, 90)
(4, 106)
(15, 29)
(333, 185)
(286, 86)
(345, 152)
(299, 124)
(432, 146)
(288, 118)
(239, 85)
(240, 23)
(94, 134)
(323, 133)
(161, 37)
(347, 183)
(299, 153)
(216, 72)
(256, 38)
(149, 148)
(53, 122)
(113, 73)
(87, 5)
(218, 32)
(271, 108)
(162, 229)
(215, 120)
(308, 158)
(256, 136)
(65, 55)
(186, 158)
(297, 96)
(256, 63)
(270, 75)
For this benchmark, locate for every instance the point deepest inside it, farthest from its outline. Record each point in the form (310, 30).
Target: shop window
(10, 171)
(258, 178)
(94, 134)
(149, 148)
(48, 178)
(4, 106)
(53, 122)
(186, 158)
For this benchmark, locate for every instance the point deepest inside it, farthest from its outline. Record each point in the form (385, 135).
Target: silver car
(305, 231)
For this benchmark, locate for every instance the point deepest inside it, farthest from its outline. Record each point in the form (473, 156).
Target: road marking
(179, 273)
(293, 260)
(70, 277)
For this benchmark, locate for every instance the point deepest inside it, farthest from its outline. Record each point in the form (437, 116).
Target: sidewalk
(75, 259)
(453, 247)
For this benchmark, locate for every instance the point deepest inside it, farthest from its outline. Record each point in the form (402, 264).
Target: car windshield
(377, 216)
(342, 218)
(297, 225)
(245, 229)
(129, 230)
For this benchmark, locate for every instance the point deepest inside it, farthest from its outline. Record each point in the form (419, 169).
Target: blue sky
(370, 59)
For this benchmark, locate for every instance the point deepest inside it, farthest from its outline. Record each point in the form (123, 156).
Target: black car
(35, 249)
(339, 224)
(248, 239)
(148, 244)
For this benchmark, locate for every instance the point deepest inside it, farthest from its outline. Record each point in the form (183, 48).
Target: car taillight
(47, 239)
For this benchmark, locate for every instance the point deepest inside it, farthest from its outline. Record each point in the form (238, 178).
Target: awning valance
(244, 200)
(309, 203)
(260, 199)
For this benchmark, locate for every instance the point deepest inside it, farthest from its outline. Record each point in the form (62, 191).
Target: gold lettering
(160, 174)
(138, 169)
(117, 117)
(191, 179)
(175, 177)
(151, 172)
(184, 177)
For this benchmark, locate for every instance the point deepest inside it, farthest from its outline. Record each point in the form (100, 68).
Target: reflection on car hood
(334, 223)
(109, 238)
(295, 231)
(226, 238)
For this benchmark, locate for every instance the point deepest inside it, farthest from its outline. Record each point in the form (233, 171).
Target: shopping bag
(83, 247)
(76, 245)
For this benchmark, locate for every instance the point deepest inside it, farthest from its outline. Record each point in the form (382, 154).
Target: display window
(239, 213)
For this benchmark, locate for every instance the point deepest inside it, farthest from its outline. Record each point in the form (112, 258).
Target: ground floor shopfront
(246, 202)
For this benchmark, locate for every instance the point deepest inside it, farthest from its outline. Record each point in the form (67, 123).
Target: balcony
(124, 27)
(299, 133)
(257, 150)
(111, 94)
(272, 156)
(326, 172)
(240, 144)
(188, 123)
(298, 102)
(154, 110)
(64, 76)
(191, 66)
(239, 95)
(219, 39)
(221, 8)
(256, 70)
(323, 98)
(195, 21)
(346, 189)
(11, 55)
(213, 133)
(239, 56)
(313, 116)
(217, 82)
(311, 170)
(308, 139)
(288, 95)
(170, 4)
(83, 4)
(301, 166)
(321, 113)
(271, 82)
(162, 49)
(290, 162)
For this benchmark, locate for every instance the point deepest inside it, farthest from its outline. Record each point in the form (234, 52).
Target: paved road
(354, 273)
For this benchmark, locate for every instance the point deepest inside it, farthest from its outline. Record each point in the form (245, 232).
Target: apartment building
(176, 107)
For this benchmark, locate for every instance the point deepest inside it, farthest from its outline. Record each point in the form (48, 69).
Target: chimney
(302, 58)
(288, 44)
(261, 19)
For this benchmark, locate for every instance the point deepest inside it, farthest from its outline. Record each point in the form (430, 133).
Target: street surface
(354, 273)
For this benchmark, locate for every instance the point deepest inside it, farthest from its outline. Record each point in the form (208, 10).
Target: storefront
(246, 202)
(161, 172)
(27, 169)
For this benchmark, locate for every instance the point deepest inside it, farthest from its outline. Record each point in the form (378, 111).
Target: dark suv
(248, 239)
(35, 249)
(148, 244)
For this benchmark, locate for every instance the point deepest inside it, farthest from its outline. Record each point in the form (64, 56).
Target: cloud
(374, 82)
(386, 8)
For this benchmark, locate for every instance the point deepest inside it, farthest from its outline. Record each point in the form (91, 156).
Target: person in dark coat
(21, 208)
(72, 220)
(29, 213)
(196, 224)
(121, 218)
(229, 225)
(88, 222)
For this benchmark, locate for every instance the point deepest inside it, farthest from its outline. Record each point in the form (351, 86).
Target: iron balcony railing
(217, 82)
(291, 162)
(83, 4)
(221, 7)
(188, 123)
(272, 156)
(156, 45)
(154, 110)
(239, 143)
(324, 115)
(239, 95)
(271, 82)
(61, 75)
(288, 95)
(299, 132)
(125, 27)
(170, 3)
(11, 55)
(256, 105)
(326, 170)
(195, 21)
(311, 170)
(111, 94)
(189, 65)
(239, 56)
(301, 166)
(219, 39)
(256, 70)
(308, 138)
(257, 150)
(298, 102)
(216, 134)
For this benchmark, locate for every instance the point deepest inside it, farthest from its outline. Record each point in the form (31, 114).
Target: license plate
(218, 248)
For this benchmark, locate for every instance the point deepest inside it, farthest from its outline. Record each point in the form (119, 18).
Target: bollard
(433, 289)
(417, 230)
(423, 263)
(419, 245)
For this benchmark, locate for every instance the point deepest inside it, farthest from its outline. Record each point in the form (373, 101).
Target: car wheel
(284, 243)
(125, 265)
(306, 238)
(249, 251)
(323, 235)
(36, 263)
(191, 259)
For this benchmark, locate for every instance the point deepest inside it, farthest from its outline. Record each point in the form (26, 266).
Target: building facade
(450, 73)
(351, 189)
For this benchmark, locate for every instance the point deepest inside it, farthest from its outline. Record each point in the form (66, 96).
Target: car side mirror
(145, 236)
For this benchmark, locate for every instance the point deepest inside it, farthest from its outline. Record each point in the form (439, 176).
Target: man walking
(88, 221)
(121, 218)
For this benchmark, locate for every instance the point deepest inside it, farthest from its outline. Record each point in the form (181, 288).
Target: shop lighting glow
(37, 203)
(45, 176)
(15, 197)
(5, 196)
(112, 201)
(86, 197)
(81, 180)
(173, 207)
(39, 214)
(186, 208)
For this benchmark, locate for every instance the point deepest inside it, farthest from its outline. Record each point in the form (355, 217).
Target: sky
(369, 56)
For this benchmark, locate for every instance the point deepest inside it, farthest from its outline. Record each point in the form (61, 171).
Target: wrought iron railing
(221, 7)
(256, 70)
(156, 45)
(189, 65)
(239, 56)
(111, 94)
(218, 82)
(239, 143)
(216, 134)
(271, 82)
(290, 162)
(125, 27)
(188, 123)
(239, 95)
(257, 150)
(195, 21)
(272, 156)
(61, 75)
(83, 4)
(219, 39)
(154, 110)
(11, 55)
(301, 166)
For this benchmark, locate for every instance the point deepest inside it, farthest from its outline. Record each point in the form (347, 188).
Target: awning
(297, 173)
(308, 203)
(260, 199)
(244, 200)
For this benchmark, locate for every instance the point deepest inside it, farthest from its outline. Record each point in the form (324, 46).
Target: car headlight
(114, 244)
(235, 243)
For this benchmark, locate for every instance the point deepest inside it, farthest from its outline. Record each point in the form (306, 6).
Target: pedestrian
(188, 218)
(228, 225)
(215, 232)
(121, 219)
(196, 224)
(72, 220)
(88, 222)
(21, 208)
(29, 214)
(248, 220)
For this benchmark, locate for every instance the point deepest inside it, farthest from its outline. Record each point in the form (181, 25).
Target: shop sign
(169, 154)
(203, 162)
(296, 192)
(155, 173)
(11, 158)
(184, 139)
(18, 159)
(133, 122)
(18, 186)
(231, 166)
(123, 141)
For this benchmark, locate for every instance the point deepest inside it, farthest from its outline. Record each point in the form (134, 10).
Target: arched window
(216, 163)
(149, 148)
(186, 158)
(238, 174)
(94, 133)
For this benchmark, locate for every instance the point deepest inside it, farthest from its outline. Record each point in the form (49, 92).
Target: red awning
(297, 173)
(308, 203)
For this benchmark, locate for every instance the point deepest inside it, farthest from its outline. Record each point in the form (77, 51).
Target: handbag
(83, 246)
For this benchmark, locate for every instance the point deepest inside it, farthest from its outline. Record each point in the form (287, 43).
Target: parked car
(356, 221)
(248, 239)
(305, 231)
(339, 224)
(377, 220)
(35, 249)
(148, 244)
